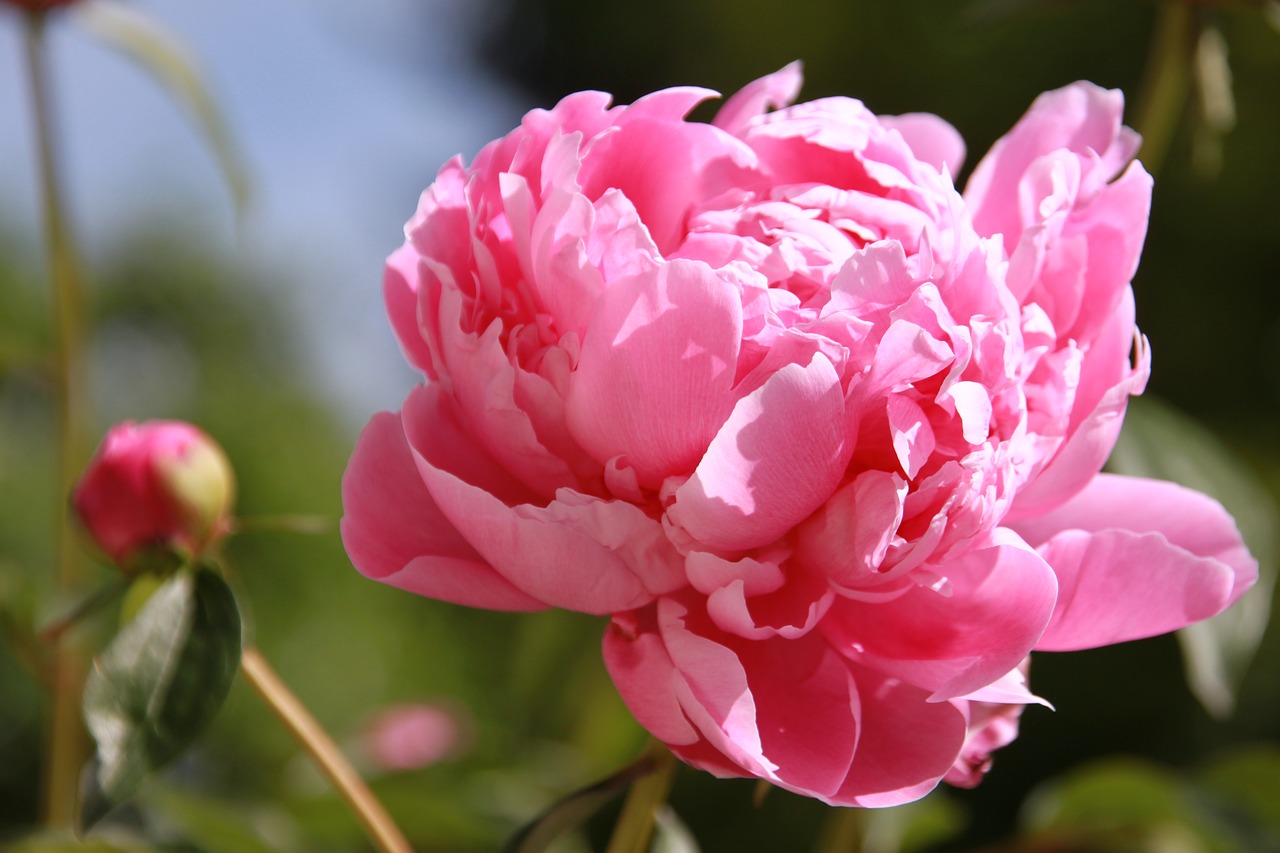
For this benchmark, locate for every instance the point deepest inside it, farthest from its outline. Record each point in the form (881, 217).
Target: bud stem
(67, 744)
(379, 826)
(635, 825)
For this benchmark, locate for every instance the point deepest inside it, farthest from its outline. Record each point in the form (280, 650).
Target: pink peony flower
(820, 434)
(155, 486)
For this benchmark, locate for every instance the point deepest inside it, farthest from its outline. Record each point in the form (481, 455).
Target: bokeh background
(264, 325)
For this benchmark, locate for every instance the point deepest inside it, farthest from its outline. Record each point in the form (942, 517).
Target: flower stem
(381, 829)
(1165, 81)
(68, 745)
(288, 523)
(842, 832)
(635, 824)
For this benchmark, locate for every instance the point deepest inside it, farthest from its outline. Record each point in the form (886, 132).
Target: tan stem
(67, 745)
(635, 825)
(381, 829)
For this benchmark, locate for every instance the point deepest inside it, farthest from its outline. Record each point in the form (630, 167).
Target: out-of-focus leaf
(168, 60)
(1246, 790)
(1158, 441)
(913, 826)
(62, 842)
(1120, 805)
(572, 811)
(670, 834)
(157, 685)
(218, 827)
(1217, 113)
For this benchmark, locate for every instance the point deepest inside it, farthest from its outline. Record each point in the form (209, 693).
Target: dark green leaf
(1158, 441)
(157, 686)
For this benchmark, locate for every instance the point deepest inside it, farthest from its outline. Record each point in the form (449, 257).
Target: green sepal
(157, 685)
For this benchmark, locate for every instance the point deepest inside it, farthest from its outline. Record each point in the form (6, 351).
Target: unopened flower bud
(155, 486)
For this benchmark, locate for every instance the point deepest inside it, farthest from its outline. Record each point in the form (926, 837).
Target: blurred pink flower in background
(413, 735)
(820, 434)
(155, 486)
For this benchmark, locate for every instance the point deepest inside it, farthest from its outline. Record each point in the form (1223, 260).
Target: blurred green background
(1129, 761)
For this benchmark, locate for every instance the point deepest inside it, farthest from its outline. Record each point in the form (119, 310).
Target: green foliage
(158, 685)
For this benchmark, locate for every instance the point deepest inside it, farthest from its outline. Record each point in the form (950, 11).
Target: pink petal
(577, 552)
(986, 619)
(906, 744)
(400, 292)
(847, 539)
(777, 458)
(665, 168)
(1135, 558)
(656, 370)
(1096, 418)
(1081, 118)
(783, 709)
(394, 531)
(640, 667)
(770, 92)
(931, 139)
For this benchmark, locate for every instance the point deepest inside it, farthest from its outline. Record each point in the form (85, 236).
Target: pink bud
(413, 735)
(157, 485)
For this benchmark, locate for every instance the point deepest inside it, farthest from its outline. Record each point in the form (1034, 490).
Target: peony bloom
(155, 486)
(820, 434)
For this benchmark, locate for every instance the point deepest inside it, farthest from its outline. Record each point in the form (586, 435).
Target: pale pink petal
(656, 370)
(770, 92)
(1097, 416)
(931, 139)
(913, 438)
(1135, 558)
(847, 539)
(1081, 118)
(394, 531)
(665, 168)
(778, 457)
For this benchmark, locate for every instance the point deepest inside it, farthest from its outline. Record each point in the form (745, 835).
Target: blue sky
(344, 112)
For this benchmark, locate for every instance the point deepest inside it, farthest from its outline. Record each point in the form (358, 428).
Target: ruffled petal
(1135, 558)
(656, 370)
(777, 458)
(394, 531)
(958, 635)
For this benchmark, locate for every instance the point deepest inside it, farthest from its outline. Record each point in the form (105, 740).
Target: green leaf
(573, 810)
(167, 59)
(1158, 441)
(1245, 787)
(1120, 805)
(157, 685)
